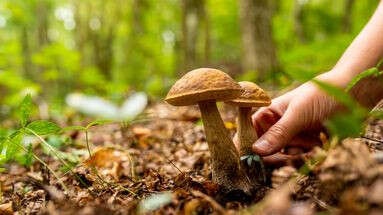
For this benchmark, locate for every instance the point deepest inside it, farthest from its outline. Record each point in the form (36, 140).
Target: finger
(279, 135)
(257, 120)
(236, 141)
(267, 119)
(280, 159)
(294, 151)
(306, 142)
(264, 119)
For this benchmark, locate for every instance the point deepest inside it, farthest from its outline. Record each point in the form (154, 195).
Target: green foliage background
(52, 47)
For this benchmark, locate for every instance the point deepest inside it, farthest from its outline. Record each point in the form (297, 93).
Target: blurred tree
(97, 23)
(109, 47)
(298, 19)
(136, 52)
(195, 33)
(258, 48)
(21, 17)
(347, 15)
(43, 9)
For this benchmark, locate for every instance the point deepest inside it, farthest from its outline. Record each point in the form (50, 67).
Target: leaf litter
(161, 166)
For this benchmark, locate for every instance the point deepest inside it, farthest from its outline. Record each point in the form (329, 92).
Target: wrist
(368, 91)
(336, 78)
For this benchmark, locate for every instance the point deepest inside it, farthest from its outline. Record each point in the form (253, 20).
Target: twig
(372, 139)
(174, 165)
(131, 166)
(112, 184)
(87, 143)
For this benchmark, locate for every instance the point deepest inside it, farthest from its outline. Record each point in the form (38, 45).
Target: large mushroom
(205, 87)
(252, 96)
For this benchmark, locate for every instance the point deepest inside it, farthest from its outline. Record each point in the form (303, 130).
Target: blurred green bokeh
(50, 48)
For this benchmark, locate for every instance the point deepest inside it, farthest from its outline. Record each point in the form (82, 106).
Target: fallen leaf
(191, 206)
(6, 209)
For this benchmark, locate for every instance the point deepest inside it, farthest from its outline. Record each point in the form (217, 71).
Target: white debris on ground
(99, 107)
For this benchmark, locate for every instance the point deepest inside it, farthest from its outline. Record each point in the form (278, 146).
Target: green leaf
(2, 143)
(43, 127)
(56, 141)
(249, 161)
(29, 156)
(14, 134)
(74, 128)
(244, 157)
(98, 122)
(346, 125)
(373, 71)
(256, 158)
(377, 114)
(13, 145)
(25, 110)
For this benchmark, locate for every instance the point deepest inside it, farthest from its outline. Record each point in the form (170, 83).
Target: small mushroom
(205, 87)
(252, 96)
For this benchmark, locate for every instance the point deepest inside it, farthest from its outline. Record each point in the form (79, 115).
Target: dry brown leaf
(105, 157)
(376, 193)
(109, 161)
(141, 131)
(6, 209)
(191, 206)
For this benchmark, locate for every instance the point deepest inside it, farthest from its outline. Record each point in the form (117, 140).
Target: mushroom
(252, 96)
(205, 87)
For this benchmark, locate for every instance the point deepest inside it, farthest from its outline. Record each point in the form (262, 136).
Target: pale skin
(294, 119)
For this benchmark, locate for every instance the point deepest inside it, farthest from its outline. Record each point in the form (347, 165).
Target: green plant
(14, 147)
(13, 144)
(86, 130)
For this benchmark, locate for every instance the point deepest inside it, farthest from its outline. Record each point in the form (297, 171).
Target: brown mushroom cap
(201, 85)
(252, 96)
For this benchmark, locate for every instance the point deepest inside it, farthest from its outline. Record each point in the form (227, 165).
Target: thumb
(278, 135)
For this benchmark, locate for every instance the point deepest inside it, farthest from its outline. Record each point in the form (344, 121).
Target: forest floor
(161, 166)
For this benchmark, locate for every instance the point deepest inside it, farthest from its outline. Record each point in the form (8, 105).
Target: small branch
(372, 139)
(87, 143)
(174, 165)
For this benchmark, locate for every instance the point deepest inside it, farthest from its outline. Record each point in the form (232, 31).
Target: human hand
(292, 122)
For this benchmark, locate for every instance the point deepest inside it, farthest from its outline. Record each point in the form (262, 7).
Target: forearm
(365, 52)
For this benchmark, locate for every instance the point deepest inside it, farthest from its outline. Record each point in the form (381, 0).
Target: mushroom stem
(226, 169)
(247, 136)
(246, 133)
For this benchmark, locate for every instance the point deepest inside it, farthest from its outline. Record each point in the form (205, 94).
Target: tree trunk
(298, 16)
(26, 53)
(137, 54)
(258, 48)
(347, 16)
(195, 33)
(103, 48)
(81, 32)
(42, 9)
